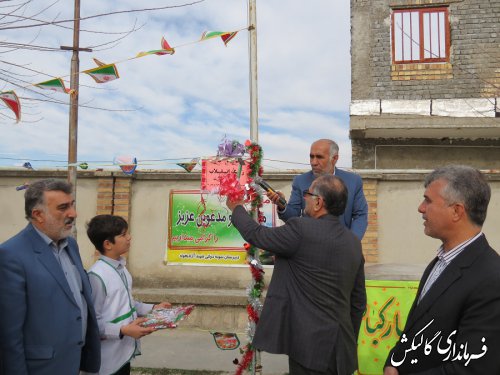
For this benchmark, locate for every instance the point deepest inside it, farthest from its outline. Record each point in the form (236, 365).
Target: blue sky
(181, 106)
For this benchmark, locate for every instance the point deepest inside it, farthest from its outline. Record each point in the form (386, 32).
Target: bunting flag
(226, 36)
(104, 73)
(127, 164)
(165, 47)
(56, 84)
(165, 50)
(212, 34)
(189, 166)
(98, 62)
(12, 101)
(108, 72)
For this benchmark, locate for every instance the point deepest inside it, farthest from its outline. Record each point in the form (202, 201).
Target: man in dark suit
(47, 321)
(323, 157)
(454, 324)
(316, 298)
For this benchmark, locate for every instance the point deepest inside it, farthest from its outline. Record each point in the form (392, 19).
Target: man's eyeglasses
(307, 192)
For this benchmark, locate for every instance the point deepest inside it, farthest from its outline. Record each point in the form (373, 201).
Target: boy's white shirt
(99, 296)
(112, 296)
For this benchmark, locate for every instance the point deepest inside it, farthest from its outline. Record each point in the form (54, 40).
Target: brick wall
(114, 196)
(122, 197)
(105, 196)
(370, 240)
(407, 72)
(493, 88)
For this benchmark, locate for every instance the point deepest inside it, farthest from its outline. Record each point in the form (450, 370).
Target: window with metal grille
(420, 35)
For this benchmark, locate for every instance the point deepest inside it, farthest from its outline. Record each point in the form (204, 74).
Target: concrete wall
(401, 232)
(419, 153)
(398, 236)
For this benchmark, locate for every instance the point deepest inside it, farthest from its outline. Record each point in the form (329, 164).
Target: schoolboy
(116, 310)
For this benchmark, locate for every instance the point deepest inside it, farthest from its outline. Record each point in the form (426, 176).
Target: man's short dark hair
(105, 227)
(334, 193)
(465, 185)
(34, 196)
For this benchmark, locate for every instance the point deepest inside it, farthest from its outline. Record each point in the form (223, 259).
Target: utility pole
(252, 46)
(73, 100)
(254, 117)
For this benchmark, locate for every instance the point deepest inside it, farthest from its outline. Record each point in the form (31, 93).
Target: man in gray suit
(317, 296)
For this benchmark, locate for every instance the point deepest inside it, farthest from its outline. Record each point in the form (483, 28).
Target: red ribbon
(257, 274)
(245, 362)
(252, 314)
(230, 187)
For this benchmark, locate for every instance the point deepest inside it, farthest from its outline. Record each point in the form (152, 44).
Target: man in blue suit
(323, 157)
(47, 321)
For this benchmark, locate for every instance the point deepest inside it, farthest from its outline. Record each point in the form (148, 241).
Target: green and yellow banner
(200, 230)
(388, 304)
